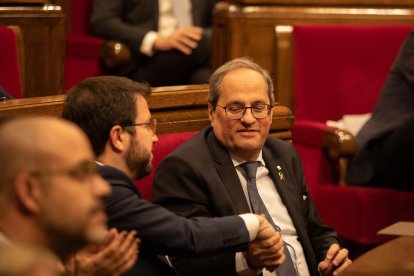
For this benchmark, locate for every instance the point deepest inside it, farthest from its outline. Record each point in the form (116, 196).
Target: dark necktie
(287, 268)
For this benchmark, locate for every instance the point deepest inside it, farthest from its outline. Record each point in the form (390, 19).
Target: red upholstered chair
(82, 49)
(340, 69)
(88, 55)
(166, 144)
(10, 78)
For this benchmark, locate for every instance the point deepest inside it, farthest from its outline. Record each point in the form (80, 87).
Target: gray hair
(238, 63)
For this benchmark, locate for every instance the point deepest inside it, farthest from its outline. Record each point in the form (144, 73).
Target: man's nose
(248, 117)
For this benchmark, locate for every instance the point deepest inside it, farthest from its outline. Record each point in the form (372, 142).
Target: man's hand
(266, 251)
(336, 261)
(116, 256)
(183, 40)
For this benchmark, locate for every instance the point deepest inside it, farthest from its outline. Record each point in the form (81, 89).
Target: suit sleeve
(179, 187)
(164, 232)
(110, 20)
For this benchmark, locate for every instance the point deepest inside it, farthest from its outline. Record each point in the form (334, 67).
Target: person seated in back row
(170, 40)
(385, 154)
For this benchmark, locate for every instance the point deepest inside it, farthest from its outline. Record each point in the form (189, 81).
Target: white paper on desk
(350, 122)
(401, 228)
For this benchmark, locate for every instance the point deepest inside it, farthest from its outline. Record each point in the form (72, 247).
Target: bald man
(50, 193)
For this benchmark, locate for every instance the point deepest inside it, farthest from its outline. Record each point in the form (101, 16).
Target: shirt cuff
(252, 224)
(147, 45)
(242, 268)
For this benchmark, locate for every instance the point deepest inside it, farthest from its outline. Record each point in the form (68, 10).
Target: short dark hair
(99, 103)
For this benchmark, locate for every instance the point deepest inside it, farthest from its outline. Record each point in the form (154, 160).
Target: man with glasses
(234, 167)
(50, 192)
(114, 114)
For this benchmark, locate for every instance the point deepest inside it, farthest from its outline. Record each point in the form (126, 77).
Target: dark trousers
(176, 68)
(394, 159)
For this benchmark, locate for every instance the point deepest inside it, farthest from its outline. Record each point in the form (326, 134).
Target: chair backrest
(10, 78)
(80, 11)
(340, 69)
(167, 143)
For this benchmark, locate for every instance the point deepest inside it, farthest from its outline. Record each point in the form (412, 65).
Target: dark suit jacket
(199, 179)
(163, 232)
(130, 20)
(394, 107)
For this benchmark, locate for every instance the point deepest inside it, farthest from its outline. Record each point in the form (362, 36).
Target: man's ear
(117, 138)
(28, 192)
(210, 112)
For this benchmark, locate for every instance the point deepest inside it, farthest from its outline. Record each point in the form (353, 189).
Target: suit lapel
(284, 186)
(228, 175)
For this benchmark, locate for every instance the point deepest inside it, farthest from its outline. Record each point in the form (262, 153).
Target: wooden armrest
(115, 54)
(340, 145)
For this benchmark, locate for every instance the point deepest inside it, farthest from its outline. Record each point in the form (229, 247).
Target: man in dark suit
(114, 114)
(385, 144)
(165, 50)
(205, 176)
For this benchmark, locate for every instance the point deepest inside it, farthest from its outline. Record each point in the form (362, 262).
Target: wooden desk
(176, 108)
(393, 258)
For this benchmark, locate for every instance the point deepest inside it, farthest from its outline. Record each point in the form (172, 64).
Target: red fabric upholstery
(166, 144)
(340, 70)
(9, 63)
(82, 49)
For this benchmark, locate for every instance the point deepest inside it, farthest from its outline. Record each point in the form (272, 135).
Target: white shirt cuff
(242, 268)
(147, 45)
(252, 224)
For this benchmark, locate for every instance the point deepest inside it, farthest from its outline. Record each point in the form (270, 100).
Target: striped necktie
(287, 268)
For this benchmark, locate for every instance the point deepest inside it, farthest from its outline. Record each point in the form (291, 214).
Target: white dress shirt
(277, 211)
(167, 24)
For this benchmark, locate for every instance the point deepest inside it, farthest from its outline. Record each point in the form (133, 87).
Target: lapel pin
(281, 176)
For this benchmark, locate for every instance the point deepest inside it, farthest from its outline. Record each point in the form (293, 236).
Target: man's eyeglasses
(236, 111)
(83, 170)
(151, 125)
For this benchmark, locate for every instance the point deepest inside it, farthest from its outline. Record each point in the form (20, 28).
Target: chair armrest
(115, 54)
(338, 143)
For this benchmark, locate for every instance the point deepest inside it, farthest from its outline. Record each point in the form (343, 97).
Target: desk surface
(395, 257)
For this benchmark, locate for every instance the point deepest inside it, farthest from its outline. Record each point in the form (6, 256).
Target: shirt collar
(237, 161)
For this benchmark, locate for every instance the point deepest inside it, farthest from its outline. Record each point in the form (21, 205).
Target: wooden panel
(43, 34)
(24, 1)
(176, 108)
(244, 29)
(393, 3)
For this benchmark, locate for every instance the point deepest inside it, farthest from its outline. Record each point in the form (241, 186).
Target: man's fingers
(340, 257)
(344, 266)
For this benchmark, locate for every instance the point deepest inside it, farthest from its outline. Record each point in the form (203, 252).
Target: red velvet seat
(340, 69)
(82, 49)
(10, 78)
(166, 144)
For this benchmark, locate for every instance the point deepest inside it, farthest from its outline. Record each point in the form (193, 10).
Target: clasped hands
(266, 250)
